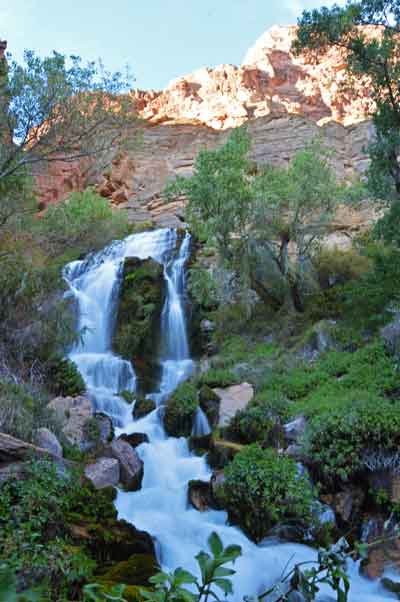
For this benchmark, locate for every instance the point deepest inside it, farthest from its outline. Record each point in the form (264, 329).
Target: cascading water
(161, 506)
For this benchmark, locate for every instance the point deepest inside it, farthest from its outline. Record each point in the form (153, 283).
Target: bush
(33, 531)
(217, 377)
(23, 410)
(254, 423)
(64, 378)
(338, 266)
(261, 489)
(340, 441)
(202, 287)
(180, 410)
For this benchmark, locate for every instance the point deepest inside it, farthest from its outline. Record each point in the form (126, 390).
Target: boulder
(318, 339)
(105, 472)
(73, 414)
(137, 570)
(45, 439)
(131, 466)
(232, 399)
(15, 450)
(134, 439)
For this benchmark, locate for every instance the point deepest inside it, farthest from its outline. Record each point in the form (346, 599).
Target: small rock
(131, 465)
(295, 429)
(207, 326)
(346, 503)
(45, 439)
(134, 439)
(233, 398)
(104, 472)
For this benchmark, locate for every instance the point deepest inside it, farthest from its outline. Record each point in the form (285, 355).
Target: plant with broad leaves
(96, 593)
(174, 587)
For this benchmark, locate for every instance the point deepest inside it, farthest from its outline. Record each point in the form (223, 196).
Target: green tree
(242, 208)
(57, 109)
(374, 57)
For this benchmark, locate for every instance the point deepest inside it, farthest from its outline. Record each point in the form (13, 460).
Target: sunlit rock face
(286, 100)
(271, 80)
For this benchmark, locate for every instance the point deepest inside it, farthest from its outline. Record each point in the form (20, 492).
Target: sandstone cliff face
(270, 80)
(286, 100)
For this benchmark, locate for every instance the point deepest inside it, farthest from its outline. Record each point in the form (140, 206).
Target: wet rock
(209, 402)
(105, 472)
(391, 586)
(294, 451)
(142, 407)
(201, 443)
(217, 481)
(139, 312)
(134, 439)
(346, 504)
(295, 429)
(73, 413)
(45, 439)
(131, 466)
(386, 551)
(200, 495)
(233, 398)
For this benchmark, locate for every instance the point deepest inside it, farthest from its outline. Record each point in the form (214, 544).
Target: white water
(161, 507)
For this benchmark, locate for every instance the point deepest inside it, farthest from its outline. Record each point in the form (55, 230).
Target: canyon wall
(286, 100)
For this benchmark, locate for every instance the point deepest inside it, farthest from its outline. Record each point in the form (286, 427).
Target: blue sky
(159, 39)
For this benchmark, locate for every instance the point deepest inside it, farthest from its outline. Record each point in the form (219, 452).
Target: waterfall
(161, 506)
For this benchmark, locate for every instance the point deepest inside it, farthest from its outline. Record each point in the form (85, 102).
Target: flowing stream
(161, 506)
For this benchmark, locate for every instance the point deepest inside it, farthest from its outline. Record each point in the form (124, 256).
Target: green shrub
(180, 410)
(254, 423)
(339, 441)
(338, 266)
(217, 377)
(22, 410)
(261, 489)
(33, 531)
(64, 378)
(202, 287)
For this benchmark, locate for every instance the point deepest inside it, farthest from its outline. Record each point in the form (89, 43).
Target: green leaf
(215, 543)
(225, 585)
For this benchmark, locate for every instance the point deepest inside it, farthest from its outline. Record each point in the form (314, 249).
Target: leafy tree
(56, 109)
(275, 208)
(374, 56)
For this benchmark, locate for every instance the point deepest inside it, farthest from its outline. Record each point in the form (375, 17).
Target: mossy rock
(137, 570)
(180, 411)
(139, 311)
(209, 403)
(111, 540)
(142, 407)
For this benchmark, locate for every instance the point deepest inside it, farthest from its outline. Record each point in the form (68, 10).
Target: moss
(139, 311)
(180, 410)
(132, 593)
(142, 407)
(217, 377)
(137, 570)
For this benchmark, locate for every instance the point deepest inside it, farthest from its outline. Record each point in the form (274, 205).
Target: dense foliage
(180, 410)
(262, 488)
(375, 57)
